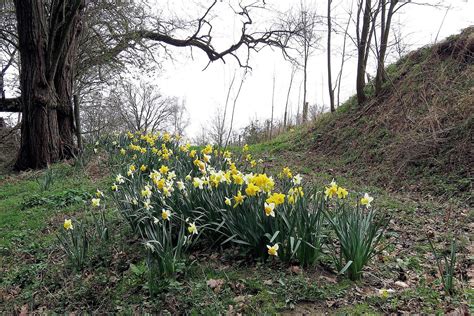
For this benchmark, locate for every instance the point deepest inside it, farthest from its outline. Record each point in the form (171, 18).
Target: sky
(205, 90)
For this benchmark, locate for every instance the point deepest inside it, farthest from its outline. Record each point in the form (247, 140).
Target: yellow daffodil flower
(277, 198)
(239, 199)
(95, 202)
(163, 169)
(192, 229)
(238, 179)
(342, 193)
(273, 250)
(252, 189)
(228, 201)
(68, 224)
(331, 190)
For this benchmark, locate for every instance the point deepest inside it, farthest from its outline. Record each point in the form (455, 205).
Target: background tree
(304, 43)
(142, 107)
(48, 44)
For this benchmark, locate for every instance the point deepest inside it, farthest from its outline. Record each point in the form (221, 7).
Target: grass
(35, 275)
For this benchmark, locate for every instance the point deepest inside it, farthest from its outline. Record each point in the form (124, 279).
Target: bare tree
(143, 107)
(179, 119)
(304, 43)
(49, 40)
(216, 128)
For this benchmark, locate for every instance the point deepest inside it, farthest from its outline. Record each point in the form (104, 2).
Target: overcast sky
(206, 90)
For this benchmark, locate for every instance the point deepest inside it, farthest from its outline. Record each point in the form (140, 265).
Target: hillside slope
(417, 134)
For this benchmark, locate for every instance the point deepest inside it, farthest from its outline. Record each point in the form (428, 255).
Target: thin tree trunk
(331, 90)
(285, 117)
(305, 76)
(273, 106)
(343, 59)
(380, 77)
(77, 118)
(362, 50)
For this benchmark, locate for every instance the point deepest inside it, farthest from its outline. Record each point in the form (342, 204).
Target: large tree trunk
(47, 47)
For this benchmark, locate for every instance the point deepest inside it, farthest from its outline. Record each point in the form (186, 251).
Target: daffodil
(180, 185)
(277, 198)
(165, 215)
(143, 168)
(206, 158)
(146, 192)
(331, 190)
(385, 293)
(287, 172)
(297, 179)
(238, 179)
(239, 199)
(228, 201)
(99, 193)
(114, 187)
(342, 193)
(273, 250)
(269, 209)
(366, 200)
(207, 150)
(122, 151)
(95, 202)
(68, 224)
(252, 189)
(192, 229)
(119, 179)
(198, 183)
(245, 148)
(253, 163)
(147, 205)
(163, 169)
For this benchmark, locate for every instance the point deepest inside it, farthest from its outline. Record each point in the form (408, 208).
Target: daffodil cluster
(171, 192)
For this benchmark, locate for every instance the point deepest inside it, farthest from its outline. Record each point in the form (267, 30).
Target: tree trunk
(331, 90)
(285, 118)
(47, 47)
(305, 79)
(361, 53)
(385, 30)
(77, 120)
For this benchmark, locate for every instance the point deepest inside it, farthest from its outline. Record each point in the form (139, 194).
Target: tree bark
(285, 117)
(47, 50)
(385, 29)
(77, 120)
(331, 90)
(362, 51)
